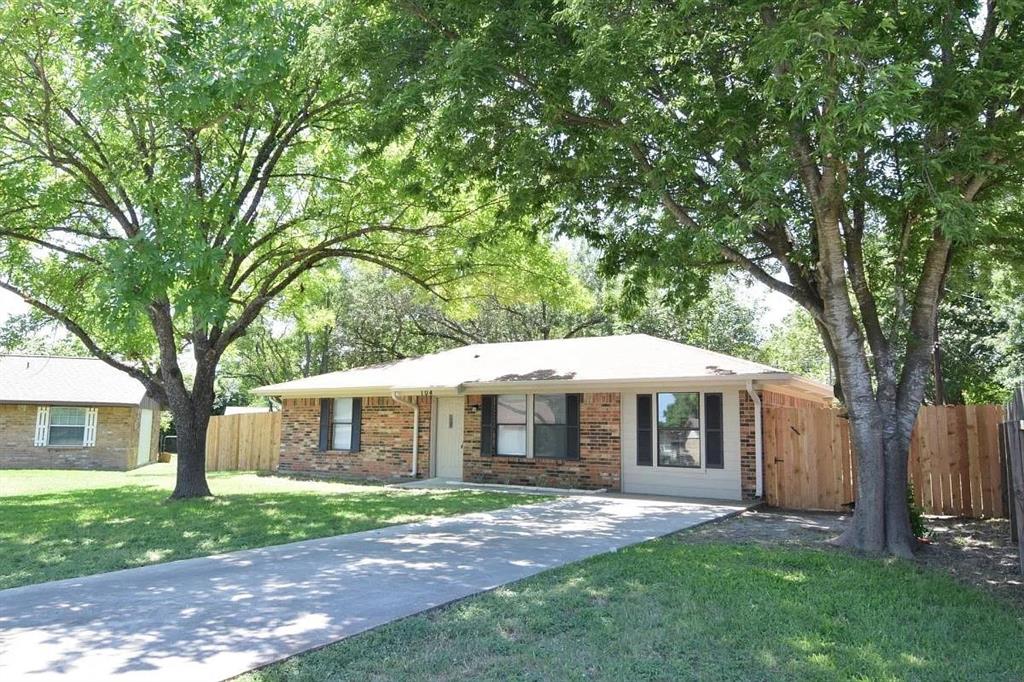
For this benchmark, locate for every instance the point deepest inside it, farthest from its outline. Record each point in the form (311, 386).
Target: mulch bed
(973, 551)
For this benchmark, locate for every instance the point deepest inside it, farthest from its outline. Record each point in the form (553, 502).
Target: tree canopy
(839, 153)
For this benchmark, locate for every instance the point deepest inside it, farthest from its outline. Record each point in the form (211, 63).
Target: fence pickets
(244, 442)
(954, 460)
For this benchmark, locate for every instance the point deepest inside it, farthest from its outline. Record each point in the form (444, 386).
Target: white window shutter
(90, 427)
(42, 425)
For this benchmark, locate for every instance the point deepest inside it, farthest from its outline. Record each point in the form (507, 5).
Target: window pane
(678, 448)
(511, 409)
(549, 409)
(342, 437)
(343, 409)
(679, 410)
(549, 440)
(511, 440)
(67, 435)
(67, 416)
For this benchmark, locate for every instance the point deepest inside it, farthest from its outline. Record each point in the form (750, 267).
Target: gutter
(415, 428)
(758, 445)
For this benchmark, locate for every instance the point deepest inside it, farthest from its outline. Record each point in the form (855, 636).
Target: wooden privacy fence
(244, 442)
(954, 460)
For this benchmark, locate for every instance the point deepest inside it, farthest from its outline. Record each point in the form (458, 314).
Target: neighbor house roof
(635, 359)
(59, 380)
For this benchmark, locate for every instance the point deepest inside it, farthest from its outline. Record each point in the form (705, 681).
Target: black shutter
(325, 424)
(644, 439)
(488, 425)
(357, 423)
(572, 425)
(715, 448)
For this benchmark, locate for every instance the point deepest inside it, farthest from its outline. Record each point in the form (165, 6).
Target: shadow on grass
(667, 611)
(81, 532)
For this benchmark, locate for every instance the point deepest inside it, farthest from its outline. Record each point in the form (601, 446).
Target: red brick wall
(748, 449)
(117, 441)
(599, 465)
(385, 442)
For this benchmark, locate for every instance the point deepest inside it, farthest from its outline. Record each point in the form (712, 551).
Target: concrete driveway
(214, 617)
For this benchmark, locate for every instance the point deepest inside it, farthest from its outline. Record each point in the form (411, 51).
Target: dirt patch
(973, 551)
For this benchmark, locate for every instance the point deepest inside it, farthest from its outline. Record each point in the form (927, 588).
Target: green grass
(64, 524)
(667, 610)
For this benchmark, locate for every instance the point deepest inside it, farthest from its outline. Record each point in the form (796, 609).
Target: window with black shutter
(714, 443)
(488, 424)
(644, 435)
(556, 426)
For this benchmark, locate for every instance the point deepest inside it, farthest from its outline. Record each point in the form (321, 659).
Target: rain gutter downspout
(415, 428)
(758, 446)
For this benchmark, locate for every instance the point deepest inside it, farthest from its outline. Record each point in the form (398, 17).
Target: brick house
(73, 413)
(630, 413)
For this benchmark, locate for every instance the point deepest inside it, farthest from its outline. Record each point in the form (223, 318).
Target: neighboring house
(74, 413)
(632, 413)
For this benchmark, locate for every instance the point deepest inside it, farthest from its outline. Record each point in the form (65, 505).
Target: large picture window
(341, 424)
(67, 426)
(679, 430)
(511, 423)
(550, 426)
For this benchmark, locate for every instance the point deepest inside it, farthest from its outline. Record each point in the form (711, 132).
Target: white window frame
(44, 426)
(335, 421)
(654, 433)
(528, 423)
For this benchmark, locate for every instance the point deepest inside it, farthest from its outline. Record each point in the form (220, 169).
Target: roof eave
(483, 387)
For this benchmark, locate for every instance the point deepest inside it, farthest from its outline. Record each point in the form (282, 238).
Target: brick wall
(117, 441)
(599, 465)
(748, 450)
(385, 442)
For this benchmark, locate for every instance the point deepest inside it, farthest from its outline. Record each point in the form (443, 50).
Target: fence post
(1011, 444)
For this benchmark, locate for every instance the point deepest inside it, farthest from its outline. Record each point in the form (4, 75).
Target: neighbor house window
(341, 424)
(550, 425)
(67, 426)
(511, 423)
(679, 429)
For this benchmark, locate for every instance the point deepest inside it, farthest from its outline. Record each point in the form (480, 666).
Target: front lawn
(64, 524)
(668, 610)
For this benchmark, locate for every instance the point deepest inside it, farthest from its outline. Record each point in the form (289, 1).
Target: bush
(916, 514)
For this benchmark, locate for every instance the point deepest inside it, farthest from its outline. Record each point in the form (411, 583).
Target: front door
(145, 436)
(449, 438)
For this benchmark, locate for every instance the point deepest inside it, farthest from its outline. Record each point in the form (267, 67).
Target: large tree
(838, 152)
(167, 168)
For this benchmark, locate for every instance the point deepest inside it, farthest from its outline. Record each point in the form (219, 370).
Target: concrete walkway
(214, 617)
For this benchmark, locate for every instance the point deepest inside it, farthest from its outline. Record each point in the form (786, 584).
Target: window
(67, 426)
(341, 424)
(511, 422)
(679, 429)
(550, 426)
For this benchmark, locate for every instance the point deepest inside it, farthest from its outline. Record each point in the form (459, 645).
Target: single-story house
(632, 413)
(74, 413)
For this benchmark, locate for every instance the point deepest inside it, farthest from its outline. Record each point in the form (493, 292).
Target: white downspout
(758, 447)
(415, 428)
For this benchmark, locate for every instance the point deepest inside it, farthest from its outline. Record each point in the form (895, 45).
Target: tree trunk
(191, 411)
(940, 381)
(867, 528)
(191, 431)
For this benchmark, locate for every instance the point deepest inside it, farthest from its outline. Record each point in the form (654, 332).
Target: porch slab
(215, 617)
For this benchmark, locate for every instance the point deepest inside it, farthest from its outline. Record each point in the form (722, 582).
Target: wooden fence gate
(954, 460)
(244, 442)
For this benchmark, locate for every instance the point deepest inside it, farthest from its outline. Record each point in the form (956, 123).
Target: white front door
(145, 436)
(449, 438)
